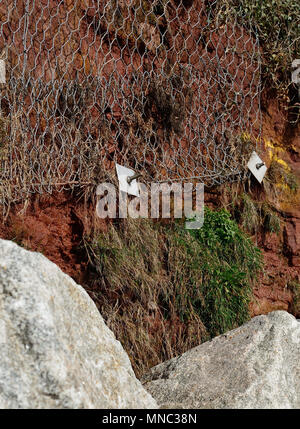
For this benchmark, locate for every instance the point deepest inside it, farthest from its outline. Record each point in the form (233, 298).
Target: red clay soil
(50, 226)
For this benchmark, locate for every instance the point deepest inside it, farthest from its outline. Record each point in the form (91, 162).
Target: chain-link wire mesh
(169, 88)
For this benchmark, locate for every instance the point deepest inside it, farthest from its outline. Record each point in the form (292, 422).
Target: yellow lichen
(282, 162)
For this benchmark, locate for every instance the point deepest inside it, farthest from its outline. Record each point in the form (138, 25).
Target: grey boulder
(55, 349)
(254, 366)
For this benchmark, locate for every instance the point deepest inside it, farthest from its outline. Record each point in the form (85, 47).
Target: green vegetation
(163, 289)
(256, 215)
(280, 175)
(250, 214)
(278, 27)
(228, 262)
(271, 221)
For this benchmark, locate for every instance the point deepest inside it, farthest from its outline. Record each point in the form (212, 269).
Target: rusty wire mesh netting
(170, 88)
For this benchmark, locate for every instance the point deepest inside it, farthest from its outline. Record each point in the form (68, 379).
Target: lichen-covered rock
(254, 366)
(55, 349)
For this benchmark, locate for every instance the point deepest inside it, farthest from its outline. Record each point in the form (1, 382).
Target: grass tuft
(163, 289)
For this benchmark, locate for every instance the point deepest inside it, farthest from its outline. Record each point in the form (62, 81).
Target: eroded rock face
(254, 366)
(292, 240)
(55, 349)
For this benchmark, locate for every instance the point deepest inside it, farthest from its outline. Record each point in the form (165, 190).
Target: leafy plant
(229, 263)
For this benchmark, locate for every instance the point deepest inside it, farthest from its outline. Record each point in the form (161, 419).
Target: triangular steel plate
(123, 173)
(255, 166)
